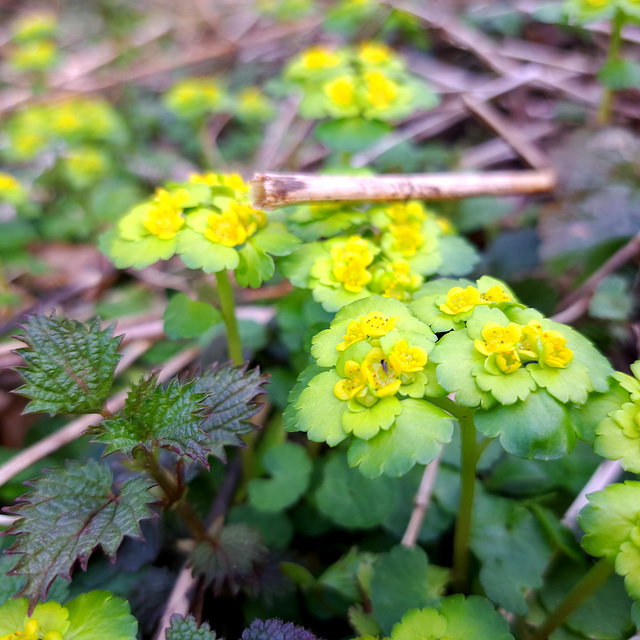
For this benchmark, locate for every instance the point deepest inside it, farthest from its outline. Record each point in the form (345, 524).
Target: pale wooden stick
(421, 503)
(179, 600)
(76, 428)
(271, 190)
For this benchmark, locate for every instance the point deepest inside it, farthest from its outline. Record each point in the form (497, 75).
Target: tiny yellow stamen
(460, 300)
(355, 333)
(376, 324)
(406, 359)
(496, 294)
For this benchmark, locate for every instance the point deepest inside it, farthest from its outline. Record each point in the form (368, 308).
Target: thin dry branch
(76, 428)
(421, 503)
(272, 190)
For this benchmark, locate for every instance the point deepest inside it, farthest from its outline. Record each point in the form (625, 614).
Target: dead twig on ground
(421, 503)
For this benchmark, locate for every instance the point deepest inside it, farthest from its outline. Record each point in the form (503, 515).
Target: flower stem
(615, 44)
(206, 146)
(227, 305)
(468, 460)
(589, 584)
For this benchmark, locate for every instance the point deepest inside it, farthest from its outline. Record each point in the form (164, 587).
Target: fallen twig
(272, 190)
(421, 503)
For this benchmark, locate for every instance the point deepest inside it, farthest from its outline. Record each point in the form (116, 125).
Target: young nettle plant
(69, 368)
(393, 378)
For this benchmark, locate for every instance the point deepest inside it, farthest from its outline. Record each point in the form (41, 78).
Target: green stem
(174, 494)
(228, 308)
(615, 44)
(589, 584)
(206, 146)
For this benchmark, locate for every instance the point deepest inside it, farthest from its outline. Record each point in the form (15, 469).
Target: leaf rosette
(210, 223)
(611, 523)
(524, 370)
(618, 434)
(376, 358)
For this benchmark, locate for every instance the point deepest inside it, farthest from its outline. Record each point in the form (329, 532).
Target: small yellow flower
(374, 53)
(353, 384)
(350, 263)
(496, 294)
(408, 238)
(376, 324)
(381, 91)
(164, 217)
(460, 300)
(399, 282)
(8, 182)
(380, 375)
(528, 344)
(355, 333)
(316, 58)
(405, 212)
(555, 353)
(406, 359)
(341, 91)
(32, 631)
(226, 229)
(508, 361)
(498, 339)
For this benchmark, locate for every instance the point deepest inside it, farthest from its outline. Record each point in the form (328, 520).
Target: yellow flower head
(528, 344)
(164, 217)
(498, 339)
(376, 324)
(555, 353)
(354, 383)
(350, 263)
(234, 225)
(408, 238)
(406, 359)
(398, 282)
(379, 373)
(374, 53)
(496, 294)
(66, 119)
(355, 333)
(508, 361)
(8, 182)
(341, 91)
(317, 58)
(381, 91)
(460, 300)
(32, 631)
(405, 212)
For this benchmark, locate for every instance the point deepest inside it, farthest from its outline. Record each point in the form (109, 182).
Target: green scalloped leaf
(457, 358)
(401, 580)
(69, 366)
(297, 266)
(539, 428)
(275, 239)
(458, 256)
(71, 512)
(232, 399)
(290, 468)
(618, 437)
(154, 416)
(188, 629)
(367, 422)
(140, 253)
(51, 617)
(255, 266)
(506, 388)
(319, 411)
(631, 384)
(420, 624)
(571, 384)
(352, 501)
(290, 414)
(98, 615)
(199, 253)
(473, 617)
(187, 318)
(416, 438)
(333, 298)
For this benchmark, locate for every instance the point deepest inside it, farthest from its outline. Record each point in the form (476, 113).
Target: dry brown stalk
(271, 190)
(421, 503)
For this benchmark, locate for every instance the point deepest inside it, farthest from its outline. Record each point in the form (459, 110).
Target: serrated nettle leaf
(231, 559)
(187, 318)
(71, 512)
(276, 630)
(231, 401)
(69, 366)
(290, 468)
(152, 416)
(188, 629)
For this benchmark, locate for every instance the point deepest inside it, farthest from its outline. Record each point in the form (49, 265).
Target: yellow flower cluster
(398, 281)
(164, 218)
(515, 344)
(232, 180)
(32, 631)
(461, 300)
(320, 58)
(380, 374)
(350, 263)
(407, 227)
(234, 225)
(8, 182)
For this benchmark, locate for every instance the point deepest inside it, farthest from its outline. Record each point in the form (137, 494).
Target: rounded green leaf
(275, 239)
(290, 468)
(367, 422)
(473, 617)
(618, 437)
(255, 266)
(539, 428)
(199, 253)
(98, 615)
(416, 437)
(352, 501)
(187, 318)
(351, 134)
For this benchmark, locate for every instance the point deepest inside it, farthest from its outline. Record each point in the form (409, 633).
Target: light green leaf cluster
(410, 244)
(368, 384)
(91, 616)
(618, 434)
(611, 523)
(370, 82)
(253, 106)
(524, 371)
(193, 99)
(587, 11)
(208, 221)
(11, 190)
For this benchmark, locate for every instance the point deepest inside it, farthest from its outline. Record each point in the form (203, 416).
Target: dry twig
(421, 503)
